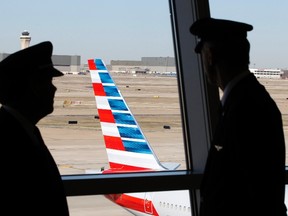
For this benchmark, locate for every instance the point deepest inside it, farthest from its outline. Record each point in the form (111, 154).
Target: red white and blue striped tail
(127, 148)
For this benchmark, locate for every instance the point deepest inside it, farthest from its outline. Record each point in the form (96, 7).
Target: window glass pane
(94, 205)
(154, 203)
(134, 40)
(269, 42)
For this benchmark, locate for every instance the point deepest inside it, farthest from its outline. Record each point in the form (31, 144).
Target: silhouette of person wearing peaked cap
(34, 184)
(245, 168)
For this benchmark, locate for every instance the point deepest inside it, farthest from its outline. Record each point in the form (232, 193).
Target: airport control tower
(25, 39)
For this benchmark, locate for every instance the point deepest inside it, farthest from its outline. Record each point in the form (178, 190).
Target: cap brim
(199, 47)
(56, 73)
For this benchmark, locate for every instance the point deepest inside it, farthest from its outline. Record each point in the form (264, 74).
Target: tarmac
(73, 135)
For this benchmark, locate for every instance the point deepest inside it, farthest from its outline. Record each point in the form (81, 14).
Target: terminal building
(65, 63)
(158, 65)
(71, 64)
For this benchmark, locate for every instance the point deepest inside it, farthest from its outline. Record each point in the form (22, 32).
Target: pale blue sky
(131, 29)
(269, 38)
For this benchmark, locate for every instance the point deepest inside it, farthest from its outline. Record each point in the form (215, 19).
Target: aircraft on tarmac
(129, 151)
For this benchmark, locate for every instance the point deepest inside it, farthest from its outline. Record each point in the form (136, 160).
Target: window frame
(197, 102)
(196, 123)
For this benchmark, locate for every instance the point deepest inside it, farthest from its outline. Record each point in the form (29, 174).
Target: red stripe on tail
(135, 203)
(114, 143)
(92, 65)
(98, 89)
(106, 116)
(116, 167)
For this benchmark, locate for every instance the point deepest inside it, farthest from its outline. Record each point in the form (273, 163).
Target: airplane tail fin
(127, 148)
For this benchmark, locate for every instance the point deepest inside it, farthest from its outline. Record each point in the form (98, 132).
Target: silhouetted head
(224, 48)
(26, 79)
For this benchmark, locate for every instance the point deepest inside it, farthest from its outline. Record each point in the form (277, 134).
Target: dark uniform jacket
(245, 169)
(31, 183)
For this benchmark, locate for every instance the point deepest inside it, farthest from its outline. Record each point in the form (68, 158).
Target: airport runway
(78, 146)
